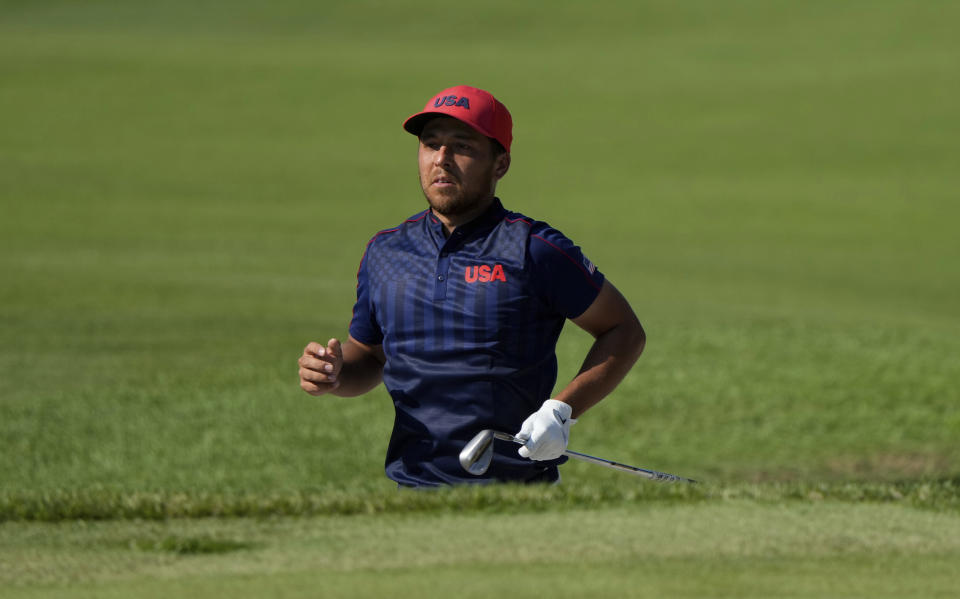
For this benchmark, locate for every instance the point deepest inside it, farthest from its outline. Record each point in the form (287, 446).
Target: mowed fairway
(736, 549)
(186, 189)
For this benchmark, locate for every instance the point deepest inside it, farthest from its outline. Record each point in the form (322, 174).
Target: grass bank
(91, 505)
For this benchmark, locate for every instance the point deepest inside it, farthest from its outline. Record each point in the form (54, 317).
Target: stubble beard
(454, 202)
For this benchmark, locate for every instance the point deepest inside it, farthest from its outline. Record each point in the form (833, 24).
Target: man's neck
(452, 221)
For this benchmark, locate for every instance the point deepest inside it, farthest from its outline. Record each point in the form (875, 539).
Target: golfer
(459, 309)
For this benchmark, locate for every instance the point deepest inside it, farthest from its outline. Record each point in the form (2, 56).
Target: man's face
(459, 168)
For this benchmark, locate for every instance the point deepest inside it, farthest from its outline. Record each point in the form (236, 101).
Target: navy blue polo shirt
(469, 326)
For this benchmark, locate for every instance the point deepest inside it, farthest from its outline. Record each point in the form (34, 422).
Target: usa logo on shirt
(484, 274)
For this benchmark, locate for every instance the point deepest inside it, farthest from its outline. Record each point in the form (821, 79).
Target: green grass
(185, 206)
(185, 192)
(733, 548)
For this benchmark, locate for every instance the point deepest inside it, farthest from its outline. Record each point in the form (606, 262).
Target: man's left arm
(619, 340)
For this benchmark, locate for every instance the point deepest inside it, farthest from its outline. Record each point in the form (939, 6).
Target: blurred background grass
(187, 188)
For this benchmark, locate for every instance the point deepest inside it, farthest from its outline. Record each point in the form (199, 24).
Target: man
(459, 310)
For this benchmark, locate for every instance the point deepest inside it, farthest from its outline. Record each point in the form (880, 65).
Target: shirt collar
(493, 214)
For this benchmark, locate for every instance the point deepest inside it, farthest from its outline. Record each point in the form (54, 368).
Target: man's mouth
(444, 181)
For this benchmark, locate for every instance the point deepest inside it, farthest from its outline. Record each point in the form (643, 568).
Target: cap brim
(417, 122)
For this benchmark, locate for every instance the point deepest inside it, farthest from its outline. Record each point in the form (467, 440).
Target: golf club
(478, 453)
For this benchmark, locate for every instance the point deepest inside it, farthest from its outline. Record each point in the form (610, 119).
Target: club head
(476, 455)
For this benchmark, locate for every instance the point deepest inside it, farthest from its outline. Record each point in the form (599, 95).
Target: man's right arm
(347, 370)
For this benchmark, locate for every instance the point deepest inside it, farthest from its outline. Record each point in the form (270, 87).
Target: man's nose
(443, 156)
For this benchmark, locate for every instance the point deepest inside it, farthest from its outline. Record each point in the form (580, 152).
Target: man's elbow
(636, 338)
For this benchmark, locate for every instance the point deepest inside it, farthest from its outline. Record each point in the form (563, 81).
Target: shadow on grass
(189, 545)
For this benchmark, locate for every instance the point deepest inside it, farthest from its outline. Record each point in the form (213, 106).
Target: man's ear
(501, 165)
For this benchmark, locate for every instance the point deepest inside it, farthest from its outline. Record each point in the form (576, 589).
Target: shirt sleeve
(363, 326)
(565, 279)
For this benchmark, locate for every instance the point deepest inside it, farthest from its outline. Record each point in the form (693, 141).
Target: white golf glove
(545, 433)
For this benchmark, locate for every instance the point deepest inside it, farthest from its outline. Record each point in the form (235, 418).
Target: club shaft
(644, 472)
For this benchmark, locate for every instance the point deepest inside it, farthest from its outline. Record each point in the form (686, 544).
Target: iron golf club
(478, 453)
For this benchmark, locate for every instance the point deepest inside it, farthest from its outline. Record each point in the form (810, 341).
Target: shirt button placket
(443, 264)
(440, 288)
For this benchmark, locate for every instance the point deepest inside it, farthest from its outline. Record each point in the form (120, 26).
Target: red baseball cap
(475, 107)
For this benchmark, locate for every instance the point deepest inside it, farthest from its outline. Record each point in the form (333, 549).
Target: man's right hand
(320, 367)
